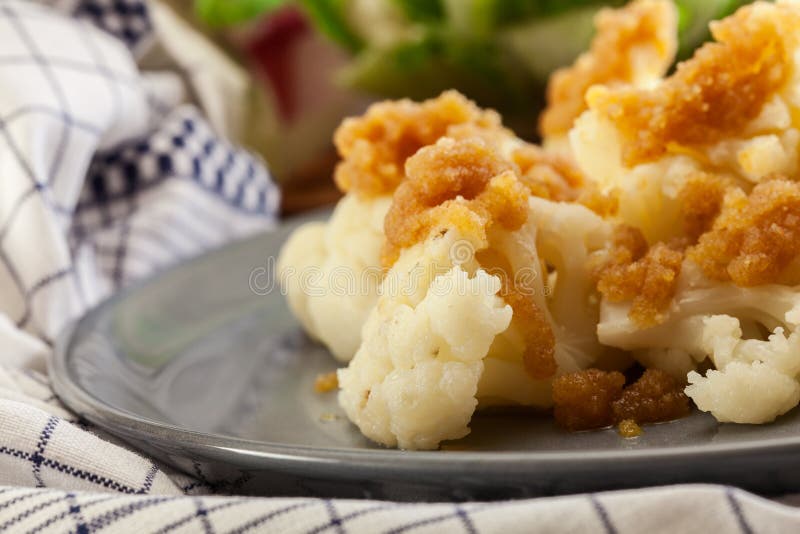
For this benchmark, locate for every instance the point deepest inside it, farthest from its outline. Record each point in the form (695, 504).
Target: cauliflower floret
(722, 340)
(677, 343)
(635, 45)
(565, 236)
(754, 381)
(732, 110)
(744, 393)
(413, 381)
(330, 272)
(463, 215)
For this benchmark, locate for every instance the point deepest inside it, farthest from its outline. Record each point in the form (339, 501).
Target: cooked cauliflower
(463, 217)
(676, 344)
(754, 381)
(744, 393)
(414, 380)
(732, 110)
(330, 272)
(565, 236)
(632, 45)
(484, 270)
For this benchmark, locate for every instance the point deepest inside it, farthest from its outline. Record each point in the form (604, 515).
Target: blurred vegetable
(499, 52)
(227, 12)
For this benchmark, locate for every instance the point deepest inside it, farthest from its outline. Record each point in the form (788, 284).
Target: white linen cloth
(105, 177)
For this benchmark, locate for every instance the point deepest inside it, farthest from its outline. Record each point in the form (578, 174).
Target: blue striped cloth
(107, 174)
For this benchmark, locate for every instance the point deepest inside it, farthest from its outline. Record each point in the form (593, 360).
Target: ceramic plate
(204, 367)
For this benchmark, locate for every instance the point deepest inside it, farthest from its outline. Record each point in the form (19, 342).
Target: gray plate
(201, 371)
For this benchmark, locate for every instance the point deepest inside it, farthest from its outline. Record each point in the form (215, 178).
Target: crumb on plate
(628, 428)
(326, 382)
(592, 398)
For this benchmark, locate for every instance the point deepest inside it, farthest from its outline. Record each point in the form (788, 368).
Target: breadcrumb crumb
(655, 397)
(755, 237)
(603, 203)
(326, 382)
(647, 277)
(583, 399)
(464, 184)
(645, 24)
(540, 342)
(628, 428)
(592, 399)
(548, 175)
(700, 200)
(711, 96)
(375, 146)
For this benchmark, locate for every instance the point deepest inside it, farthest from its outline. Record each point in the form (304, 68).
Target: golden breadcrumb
(628, 428)
(375, 146)
(326, 382)
(648, 24)
(592, 398)
(464, 184)
(603, 203)
(700, 200)
(755, 237)
(582, 400)
(646, 277)
(540, 343)
(655, 397)
(547, 175)
(711, 96)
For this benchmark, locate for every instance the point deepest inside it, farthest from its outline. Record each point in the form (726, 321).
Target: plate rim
(122, 422)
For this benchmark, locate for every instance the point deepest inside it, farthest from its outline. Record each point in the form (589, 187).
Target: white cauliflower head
(677, 343)
(414, 380)
(563, 236)
(330, 272)
(731, 110)
(754, 381)
(635, 44)
(464, 312)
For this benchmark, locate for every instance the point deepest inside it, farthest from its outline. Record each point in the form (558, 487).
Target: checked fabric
(107, 175)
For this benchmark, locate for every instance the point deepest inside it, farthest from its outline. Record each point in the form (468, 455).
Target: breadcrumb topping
(645, 24)
(375, 146)
(540, 343)
(603, 203)
(464, 184)
(629, 429)
(548, 175)
(700, 200)
(711, 96)
(755, 237)
(582, 400)
(592, 399)
(326, 382)
(655, 397)
(645, 276)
